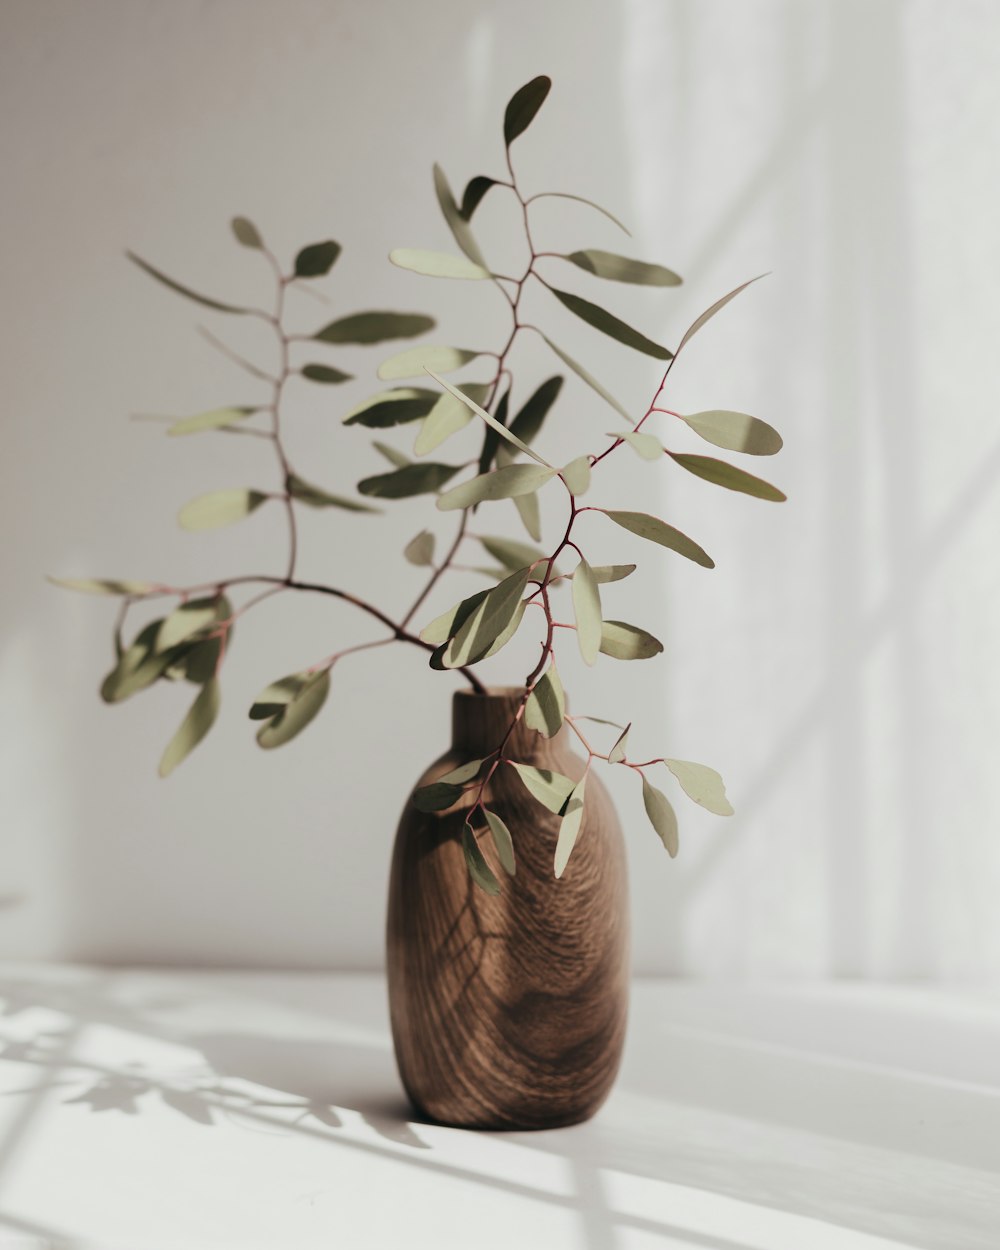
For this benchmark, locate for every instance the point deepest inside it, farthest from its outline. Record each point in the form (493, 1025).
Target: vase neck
(480, 721)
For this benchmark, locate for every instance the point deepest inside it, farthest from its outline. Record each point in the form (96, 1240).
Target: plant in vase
(508, 1000)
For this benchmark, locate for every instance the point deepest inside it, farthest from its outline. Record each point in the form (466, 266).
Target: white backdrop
(839, 665)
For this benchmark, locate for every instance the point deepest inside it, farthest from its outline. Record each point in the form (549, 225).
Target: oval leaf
(274, 698)
(644, 445)
(505, 483)
(736, 431)
(102, 586)
(628, 642)
(420, 550)
(612, 572)
(199, 720)
(413, 479)
(246, 232)
(395, 407)
(391, 454)
(523, 106)
(473, 194)
(530, 514)
(184, 621)
(220, 507)
(497, 426)
(323, 373)
(728, 475)
(447, 625)
(487, 622)
(512, 555)
(437, 264)
(587, 610)
(315, 497)
(463, 773)
(503, 842)
(375, 327)
(610, 325)
(458, 224)
(297, 712)
(419, 360)
(661, 816)
(576, 475)
(658, 531)
(479, 870)
(621, 269)
(447, 417)
(551, 789)
(546, 705)
(216, 419)
(436, 797)
(317, 259)
(703, 785)
(569, 828)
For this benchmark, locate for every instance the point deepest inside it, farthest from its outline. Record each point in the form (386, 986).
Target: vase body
(508, 1011)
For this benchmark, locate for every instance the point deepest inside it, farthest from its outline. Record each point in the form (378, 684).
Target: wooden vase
(508, 1011)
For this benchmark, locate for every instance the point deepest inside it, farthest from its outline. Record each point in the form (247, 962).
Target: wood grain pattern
(509, 1011)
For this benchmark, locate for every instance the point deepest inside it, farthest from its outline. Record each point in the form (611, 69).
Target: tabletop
(152, 1109)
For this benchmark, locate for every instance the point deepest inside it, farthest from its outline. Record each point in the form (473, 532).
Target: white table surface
(142, 1109)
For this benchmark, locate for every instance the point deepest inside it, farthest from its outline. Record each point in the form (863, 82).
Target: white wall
(838, 667)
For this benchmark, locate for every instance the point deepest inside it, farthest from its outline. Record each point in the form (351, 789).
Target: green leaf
(418, 360)
(273, 699)
(216, 419)
(551, 789)
(610, 325)
(146, 267)
(576, 475)
(658, 531)
(621, 269)
(503, 842)
(703, 785)
(436, 797)
(479, 870)
(728, 475)
(488, 622)
(219, 507)
(497, 426)
(305, 492)
(587, 610)
(437, 264)
(617, 753)
(317, 259)
(463, 773)
(644, 445)
(527, 510)
(661, 816)
(447, 417)
(564, 195)
(324, 373)
(414, 479)
(102, 586)
(138, 666)
(612, 572)
(375, 327)
(473, 194)
(447, 625)
(506, 483)
(199, 720)
(200, 661)
(391, 454)
(628, 642)
(246, 232)
(736, 431)
(589, 378)
(709, 313)
(393, 407)
(511, 554)
(546, 705)
(420, 550)
(297, 712)
(184, 621)
(528, 421)
(523, 105)
(569, 828)
(457, 223)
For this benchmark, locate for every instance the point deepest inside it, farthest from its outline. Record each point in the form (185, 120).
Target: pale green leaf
(579, 199)
(628, 642)
(612, 572)
(447, 417)
(463, 773)
(413, 479)
(375, 327)
(546, 705)
(587, 610)
(736, 431)
(511, 554)
(661, 816)
(138, 666)
(576, 475)
(490, 420)
(551, 789)
(589, 378)
(617, 752)
(528, 511)
(610, 325)
(420, 550)
(719, 473)
(103, 586)
(316, 260)
(199, 720)
(215, 304)
(487, 622)
(709, 313)
(479, 870)
(274, 698)
(219, 507)
(505, 483)
(216, 419)
(658, 531)
(503, 842)
(702, 784)
(644, 445)
(445, 626)
(393, 407)
(247, 233)
(523, 105)
(528, 421)
(325, 374)
(315, 497)
(184, 621)
(436, 797)
(430, 358)
(457, 220)
(391, 454)
(569, 827)
(437, 264)
(621, 269)
(297, 712)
